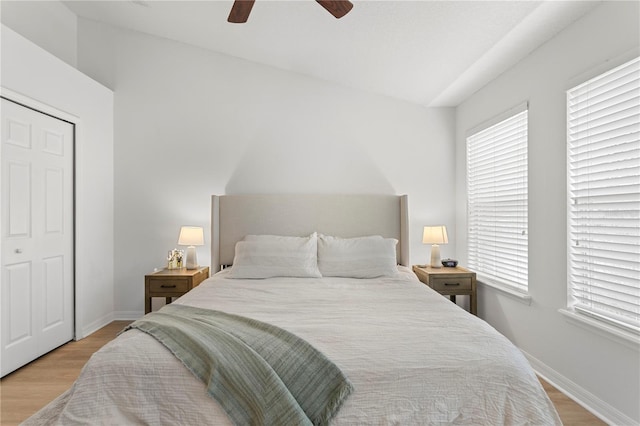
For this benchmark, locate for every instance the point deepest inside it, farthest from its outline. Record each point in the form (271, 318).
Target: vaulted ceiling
(433, 53)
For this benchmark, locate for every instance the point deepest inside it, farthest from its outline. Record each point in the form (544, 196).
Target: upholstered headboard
(234, 216)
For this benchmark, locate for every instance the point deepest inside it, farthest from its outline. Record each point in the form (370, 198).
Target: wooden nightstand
(171, 283)
(450, 282)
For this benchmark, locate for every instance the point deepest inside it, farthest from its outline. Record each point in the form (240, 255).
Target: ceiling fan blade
(337, 8)
(240, 11)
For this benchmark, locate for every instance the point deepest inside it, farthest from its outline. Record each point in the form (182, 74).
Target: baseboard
(95, 326)
(586, 399)
(127, 315)
(107, 319)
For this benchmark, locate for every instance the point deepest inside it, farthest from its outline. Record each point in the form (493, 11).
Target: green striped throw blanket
(259, 373)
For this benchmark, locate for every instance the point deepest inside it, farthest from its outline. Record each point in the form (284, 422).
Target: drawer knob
(452, 284)
(168, 286)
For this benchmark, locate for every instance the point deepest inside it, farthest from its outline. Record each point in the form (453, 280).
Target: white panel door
(37, 235)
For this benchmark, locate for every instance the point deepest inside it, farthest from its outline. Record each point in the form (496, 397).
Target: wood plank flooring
(30, 388)
(33, 386)
(571, 413)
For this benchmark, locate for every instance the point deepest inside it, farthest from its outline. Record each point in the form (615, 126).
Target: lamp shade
(191, 236)
(435, 235)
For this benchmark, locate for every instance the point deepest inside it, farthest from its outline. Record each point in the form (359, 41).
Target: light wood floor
(30, 388)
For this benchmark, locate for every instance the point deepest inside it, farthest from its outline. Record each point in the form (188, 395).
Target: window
(497, 201)
(603, 137)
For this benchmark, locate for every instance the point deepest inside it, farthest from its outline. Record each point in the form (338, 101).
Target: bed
(411, 356)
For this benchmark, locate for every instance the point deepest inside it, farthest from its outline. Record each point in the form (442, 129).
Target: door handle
(18, 250)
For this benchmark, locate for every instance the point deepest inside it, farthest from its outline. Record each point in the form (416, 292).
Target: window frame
(492, 278)
(573, 310)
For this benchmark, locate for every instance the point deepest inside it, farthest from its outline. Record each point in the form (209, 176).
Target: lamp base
(192, 258)
(435, 256)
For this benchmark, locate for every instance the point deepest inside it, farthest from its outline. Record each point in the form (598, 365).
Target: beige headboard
(234, 216)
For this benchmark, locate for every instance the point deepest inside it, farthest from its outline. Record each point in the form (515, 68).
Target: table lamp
(191, 236)
(435, 235)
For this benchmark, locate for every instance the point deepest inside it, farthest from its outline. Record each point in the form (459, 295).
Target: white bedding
(412, 356)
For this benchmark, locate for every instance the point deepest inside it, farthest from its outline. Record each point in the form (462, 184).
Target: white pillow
(266, 256)
(362, 257)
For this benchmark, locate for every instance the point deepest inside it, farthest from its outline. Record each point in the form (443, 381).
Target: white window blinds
(603, 137)
(497, 202)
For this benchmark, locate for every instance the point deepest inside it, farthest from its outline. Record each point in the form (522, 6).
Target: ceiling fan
(242, 8)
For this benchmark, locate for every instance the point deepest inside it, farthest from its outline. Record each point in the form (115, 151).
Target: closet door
(36, 254)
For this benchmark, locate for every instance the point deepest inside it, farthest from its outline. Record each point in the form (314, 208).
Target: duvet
(412, 356)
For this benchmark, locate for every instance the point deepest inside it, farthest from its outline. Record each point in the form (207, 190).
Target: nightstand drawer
(169, 286)
(170, 283)
(200, 276)
(448, 283)
(451, 282)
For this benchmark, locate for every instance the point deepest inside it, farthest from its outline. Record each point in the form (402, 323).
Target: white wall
(49, 24)
(602, 372)
(190, 123)
(36, 74)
